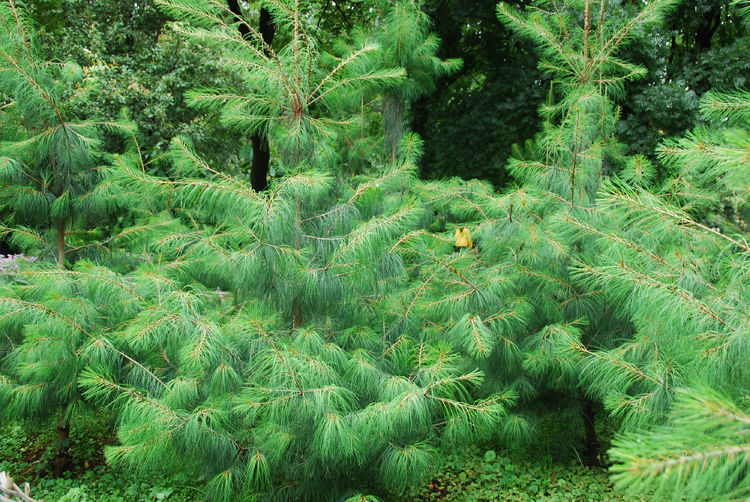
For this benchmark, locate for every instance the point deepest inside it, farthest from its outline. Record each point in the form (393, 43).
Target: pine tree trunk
(591, 451)
(261, 160)
(61, 460)
(60, 228)
(393, 125)
(259, 141)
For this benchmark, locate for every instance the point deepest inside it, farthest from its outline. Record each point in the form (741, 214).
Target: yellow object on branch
(463, 238)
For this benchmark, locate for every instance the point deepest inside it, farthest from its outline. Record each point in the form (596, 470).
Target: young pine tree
(701, 284)
(406, 41)
(49, 158)
(512, 303)
(291, 387)
(293, 92)
(57, 323)
(278, 375)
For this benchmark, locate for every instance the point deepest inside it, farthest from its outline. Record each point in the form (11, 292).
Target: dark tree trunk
(261, 160)
(591, 448)
(261, 150)
(706, 29)
(61, 460)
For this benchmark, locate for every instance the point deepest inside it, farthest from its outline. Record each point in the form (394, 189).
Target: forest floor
(472, 475)
(476, 475)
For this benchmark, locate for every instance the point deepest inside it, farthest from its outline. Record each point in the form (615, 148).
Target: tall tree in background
(470, 122)
(579, 44)
(407, 41)
(259, 140)
(700, 45)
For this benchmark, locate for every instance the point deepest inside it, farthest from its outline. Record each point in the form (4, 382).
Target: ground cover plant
(328, 325)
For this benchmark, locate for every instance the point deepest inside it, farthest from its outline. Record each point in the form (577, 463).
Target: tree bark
(61, 460)
(591, 451)
(707, 27)
(261, 160)
(60, 228)
(259, 140)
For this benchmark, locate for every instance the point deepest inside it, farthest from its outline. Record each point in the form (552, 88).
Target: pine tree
(703, 449)
(272, 389)
(56, 323)
(513, 302)
(321, 340)
(49, 176)
(407, 41)
(294, 94)
(48, 163)
(269, 346)
(703, 446)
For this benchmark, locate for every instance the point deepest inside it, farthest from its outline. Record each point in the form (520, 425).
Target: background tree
(50, 156)
(475, 115)
(407, 41)
(681, 70)
(259, 141)
(132, 58)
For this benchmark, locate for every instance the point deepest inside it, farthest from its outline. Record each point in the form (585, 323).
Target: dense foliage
(330, 331)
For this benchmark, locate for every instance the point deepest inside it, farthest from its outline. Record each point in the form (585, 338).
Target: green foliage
(407, 41)
(469, 474)
(699, 46)
(328, 338)
(49, 158)
(294, 94)
(243, 393)
(704, 449)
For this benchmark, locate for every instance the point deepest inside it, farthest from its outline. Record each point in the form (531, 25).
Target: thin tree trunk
(261, 160)
(259, 141)
(706, 29)
(60, 228)
(591, 451)
(296, 307)
(61, 460)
